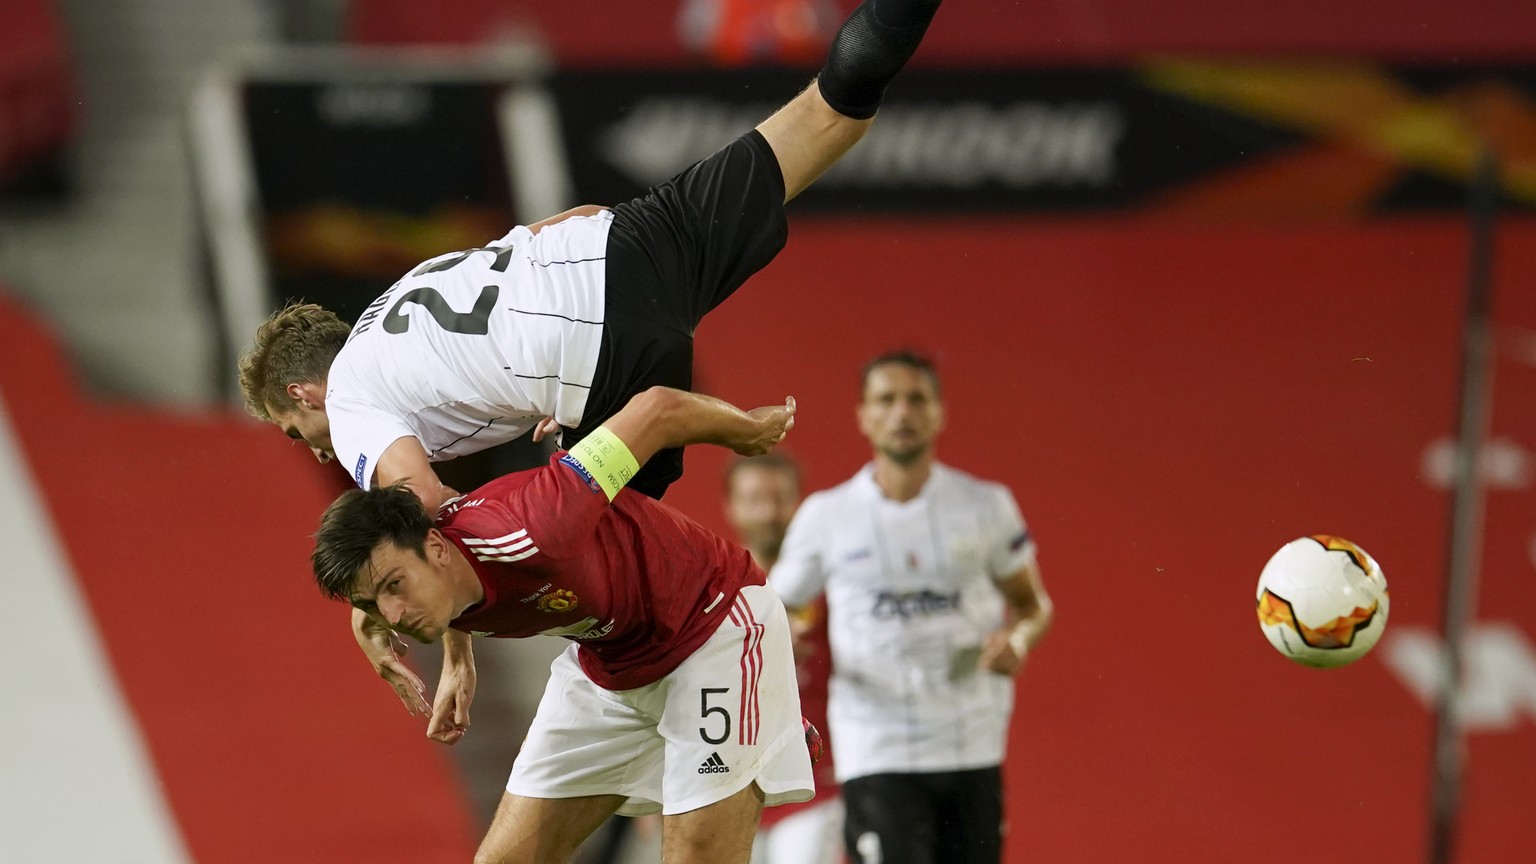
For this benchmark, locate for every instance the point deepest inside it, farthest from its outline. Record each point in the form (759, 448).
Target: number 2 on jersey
(475, 322)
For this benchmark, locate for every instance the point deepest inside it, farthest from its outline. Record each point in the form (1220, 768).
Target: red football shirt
(639, 585)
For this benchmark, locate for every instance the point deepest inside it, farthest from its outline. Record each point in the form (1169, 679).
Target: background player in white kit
(923, 566)
(563, 319)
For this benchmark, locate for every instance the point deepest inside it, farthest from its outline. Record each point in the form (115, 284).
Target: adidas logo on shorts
(714, 765)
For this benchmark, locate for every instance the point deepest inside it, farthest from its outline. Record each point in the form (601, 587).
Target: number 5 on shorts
(706, 709)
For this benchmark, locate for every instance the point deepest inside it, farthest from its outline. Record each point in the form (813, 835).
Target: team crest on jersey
(558, 600)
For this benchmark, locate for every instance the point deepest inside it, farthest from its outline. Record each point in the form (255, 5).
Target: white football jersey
(471, 349)
(910, 600)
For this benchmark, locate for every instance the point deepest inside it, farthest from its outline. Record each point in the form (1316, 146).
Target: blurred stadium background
(1193, 272)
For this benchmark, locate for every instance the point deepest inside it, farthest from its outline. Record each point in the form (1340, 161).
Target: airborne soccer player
(563, 320)
(677, 692)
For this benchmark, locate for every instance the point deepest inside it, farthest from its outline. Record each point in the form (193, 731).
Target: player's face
(309, 425)
(901, 413)
(759, 506)
(410, 592)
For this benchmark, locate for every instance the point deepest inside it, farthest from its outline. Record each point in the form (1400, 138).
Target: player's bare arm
(455, 689)
(662, 418)
(385, 652)
(406, 461)
(1031, 611)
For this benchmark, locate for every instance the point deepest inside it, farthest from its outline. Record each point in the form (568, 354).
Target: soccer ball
(1322, 601)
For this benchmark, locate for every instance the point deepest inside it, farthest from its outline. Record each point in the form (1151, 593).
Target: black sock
(870, 48)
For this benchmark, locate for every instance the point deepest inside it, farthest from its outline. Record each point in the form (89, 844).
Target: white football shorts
(728, 716)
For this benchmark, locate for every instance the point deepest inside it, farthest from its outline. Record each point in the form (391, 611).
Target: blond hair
(295, 345)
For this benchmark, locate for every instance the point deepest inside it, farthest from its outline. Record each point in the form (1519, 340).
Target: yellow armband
(603, 460)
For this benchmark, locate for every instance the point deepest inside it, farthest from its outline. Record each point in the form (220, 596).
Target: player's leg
(890, 819)
(815, 129)
(678, 252)
(971, 816)
(587, 753)
(543, 830)
(720, 833)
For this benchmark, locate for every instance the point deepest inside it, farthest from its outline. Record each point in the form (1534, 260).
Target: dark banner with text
(392, 172)
(1267, 140)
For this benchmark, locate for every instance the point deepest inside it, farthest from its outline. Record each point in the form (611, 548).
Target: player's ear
(307, 394)
(437, 546)
(861, 416)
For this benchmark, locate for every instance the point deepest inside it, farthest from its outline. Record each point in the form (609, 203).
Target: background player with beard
(934, 601)
(761, 494)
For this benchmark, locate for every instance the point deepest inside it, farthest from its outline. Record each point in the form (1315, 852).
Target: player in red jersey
(677, 693)
(761, 495)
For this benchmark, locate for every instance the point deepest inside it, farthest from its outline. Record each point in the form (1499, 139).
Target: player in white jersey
(573, 315)
(934, 599)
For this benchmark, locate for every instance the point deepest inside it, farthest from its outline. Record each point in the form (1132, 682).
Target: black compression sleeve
(870, 48)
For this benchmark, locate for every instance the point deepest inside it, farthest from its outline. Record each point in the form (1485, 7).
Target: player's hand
(450, 710)
(384, 650)
(545, 428)
(773, 423)
(998, 655)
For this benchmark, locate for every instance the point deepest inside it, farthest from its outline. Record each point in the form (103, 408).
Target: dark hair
(767, 462)
(902, 357)
(355, 524)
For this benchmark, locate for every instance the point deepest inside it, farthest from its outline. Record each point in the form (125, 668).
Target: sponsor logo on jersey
(357, 472)
(506, 548)
(714, 765)
(857, 555)
(1018, 541)
(909, 604)
(586, 628)
(581, 471)
(558, 600)
(592, 632)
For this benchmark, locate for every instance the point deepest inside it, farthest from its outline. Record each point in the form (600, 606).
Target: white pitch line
(77, 782)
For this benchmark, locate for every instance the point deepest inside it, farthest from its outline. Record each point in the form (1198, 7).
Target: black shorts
(949, 817)
(673, 255)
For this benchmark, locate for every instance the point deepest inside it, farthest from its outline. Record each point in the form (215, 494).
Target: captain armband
(603, 462)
